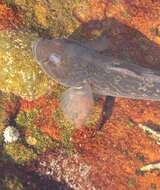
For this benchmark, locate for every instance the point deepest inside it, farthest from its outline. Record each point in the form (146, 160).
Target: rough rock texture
(53, 17)
(110, 158)
(140, 15)
(73, 171)
(19, 72)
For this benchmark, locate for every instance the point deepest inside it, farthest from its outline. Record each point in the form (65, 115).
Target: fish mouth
(34, 46)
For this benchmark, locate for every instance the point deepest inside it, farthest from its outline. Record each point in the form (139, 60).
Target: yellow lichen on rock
(19, 152)
(55, 16)
(20, 2)
(41, 12)
(31, 140)
(19, 72)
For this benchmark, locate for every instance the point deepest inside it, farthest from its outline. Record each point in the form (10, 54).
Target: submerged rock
(19, 73)
(54, 17)
(72, 171)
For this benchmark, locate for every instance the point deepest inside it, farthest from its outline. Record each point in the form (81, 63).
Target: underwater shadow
(29, 179)
(121, 41)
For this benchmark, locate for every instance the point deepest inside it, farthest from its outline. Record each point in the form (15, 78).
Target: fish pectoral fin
(76, 104)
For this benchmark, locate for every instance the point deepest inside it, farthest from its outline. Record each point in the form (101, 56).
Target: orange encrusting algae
(121, 148)
(140, 15)
(44, 121)
(9, 19)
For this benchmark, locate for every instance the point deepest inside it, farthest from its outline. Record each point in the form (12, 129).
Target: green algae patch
(26, 123)
(53, 16)
(19, 153)
(67, 129)
(19, 72)
(31, 142)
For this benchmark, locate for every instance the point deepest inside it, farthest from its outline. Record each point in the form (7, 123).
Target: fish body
(123, 79)
(107, 75)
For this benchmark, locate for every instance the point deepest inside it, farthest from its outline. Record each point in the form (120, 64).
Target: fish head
(60, 59)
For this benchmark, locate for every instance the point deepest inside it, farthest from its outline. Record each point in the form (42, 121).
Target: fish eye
(56, 59)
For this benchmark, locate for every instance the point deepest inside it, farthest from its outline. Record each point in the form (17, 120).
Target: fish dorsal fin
(76, 103)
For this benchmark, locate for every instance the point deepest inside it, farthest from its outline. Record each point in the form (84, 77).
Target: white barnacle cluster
(10, 134)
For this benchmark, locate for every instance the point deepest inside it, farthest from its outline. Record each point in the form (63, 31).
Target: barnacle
(11, 134)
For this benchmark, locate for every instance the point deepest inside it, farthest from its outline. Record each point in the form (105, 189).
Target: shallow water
(48, 145)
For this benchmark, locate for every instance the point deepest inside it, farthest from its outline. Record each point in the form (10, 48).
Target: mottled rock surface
(19, 72)
(60, 167)
(53, 17)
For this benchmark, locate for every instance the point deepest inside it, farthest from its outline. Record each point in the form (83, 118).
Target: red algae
(9, 19)
(114, 154)
(44, 120)
(38, 103)
(141, 15)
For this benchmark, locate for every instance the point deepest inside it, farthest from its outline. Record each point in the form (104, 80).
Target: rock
(73, 171)
(54, 17)
(19, 72)
(41, 12)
